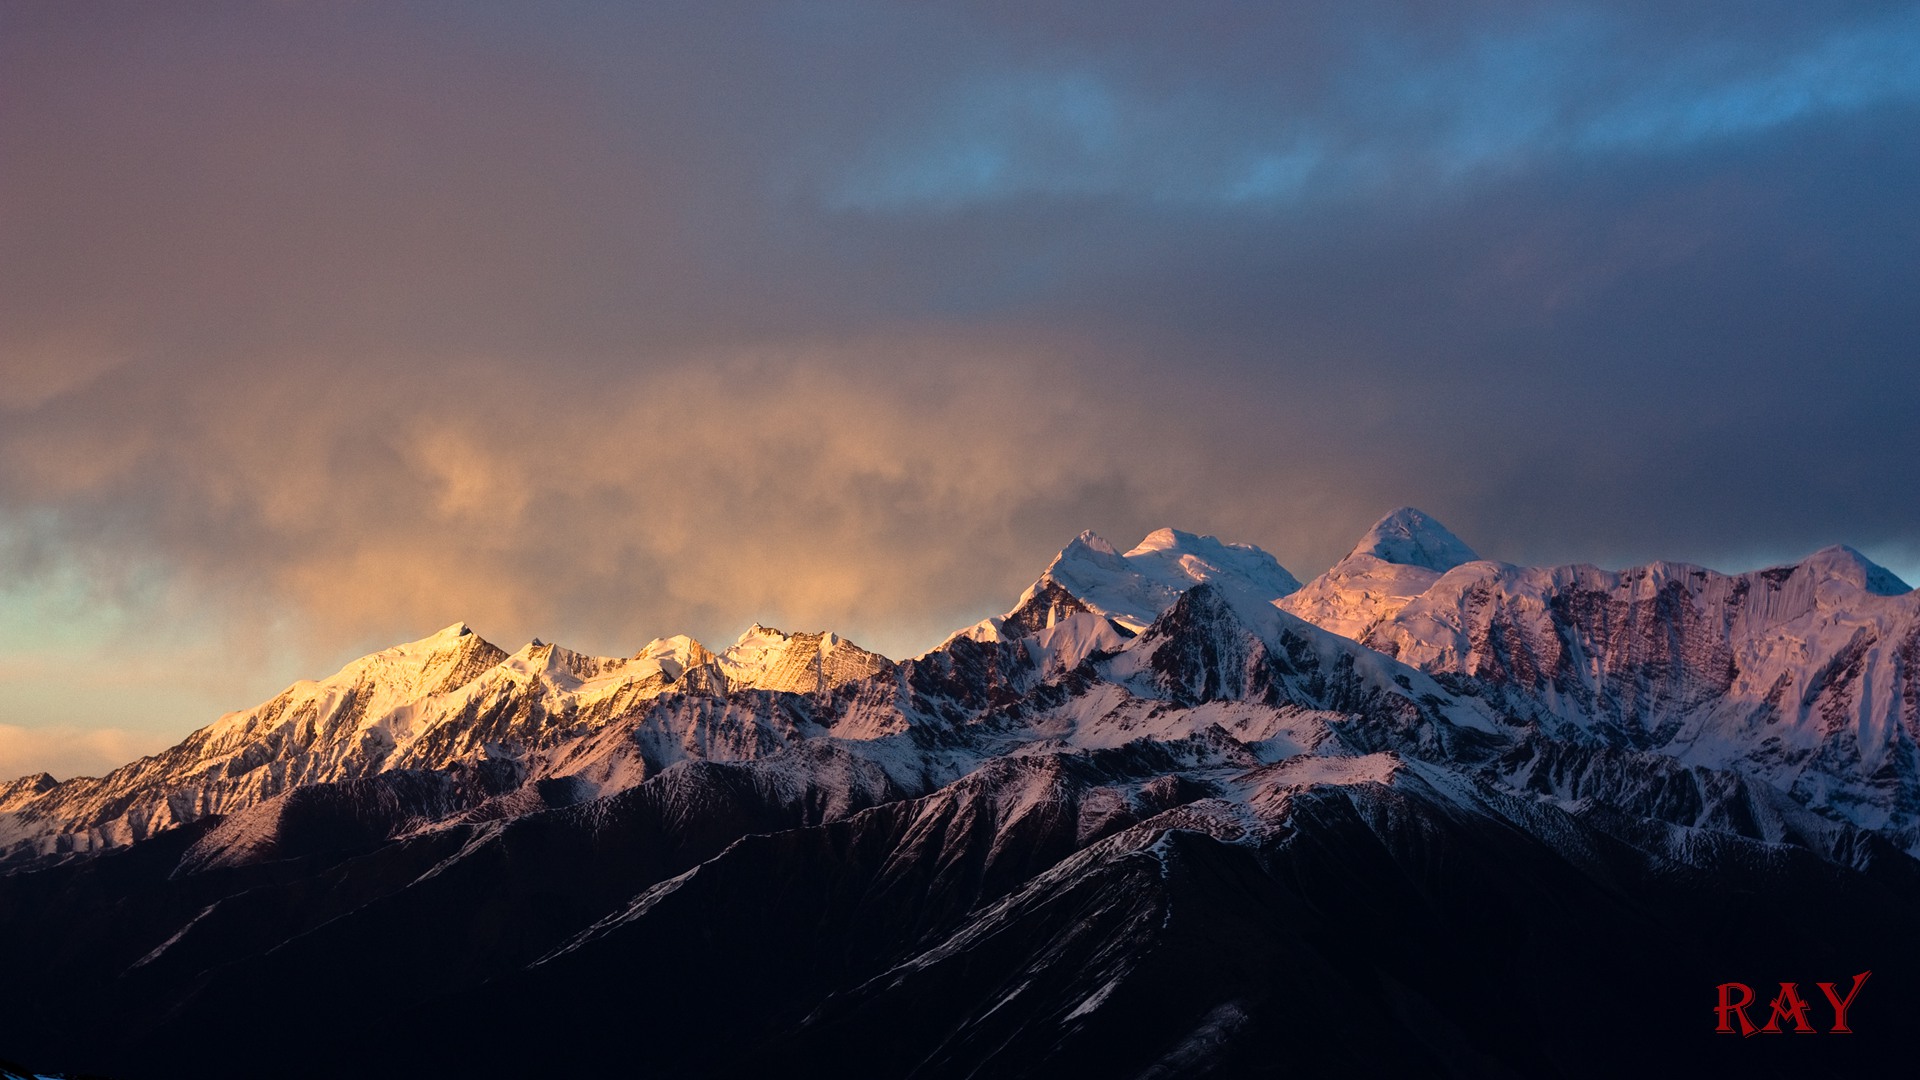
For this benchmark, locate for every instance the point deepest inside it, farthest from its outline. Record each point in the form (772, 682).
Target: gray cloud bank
(341, 322)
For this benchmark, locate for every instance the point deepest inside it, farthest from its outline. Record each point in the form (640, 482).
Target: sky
(326, 325)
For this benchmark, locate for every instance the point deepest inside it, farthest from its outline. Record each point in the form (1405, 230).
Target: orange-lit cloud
(895, 488)
(326, 325)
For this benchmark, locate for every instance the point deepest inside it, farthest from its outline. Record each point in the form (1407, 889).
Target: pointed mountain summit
(766, 658)
(1135, 588)
(1090, 577)
(1410, 537)
(1842, 563)
(1400, 558)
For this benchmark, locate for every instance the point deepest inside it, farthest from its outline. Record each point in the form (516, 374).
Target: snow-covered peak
(1086, 554)
(445, 642)
(1135, 588)
(1842, 563)
(1091, 541)
(769, 659)
(754, 649)
(1171, 556)
(1411, 537)
(17, 793)
(1163, 539)
(672, 656)
(429, 665)
(557, 664)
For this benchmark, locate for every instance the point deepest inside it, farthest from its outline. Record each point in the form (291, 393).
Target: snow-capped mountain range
(1805, 677)
(996, 841)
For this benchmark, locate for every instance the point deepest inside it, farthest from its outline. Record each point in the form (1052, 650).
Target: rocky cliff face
(1800, 675)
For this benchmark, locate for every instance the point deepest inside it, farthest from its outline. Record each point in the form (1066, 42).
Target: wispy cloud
(1512, 94)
